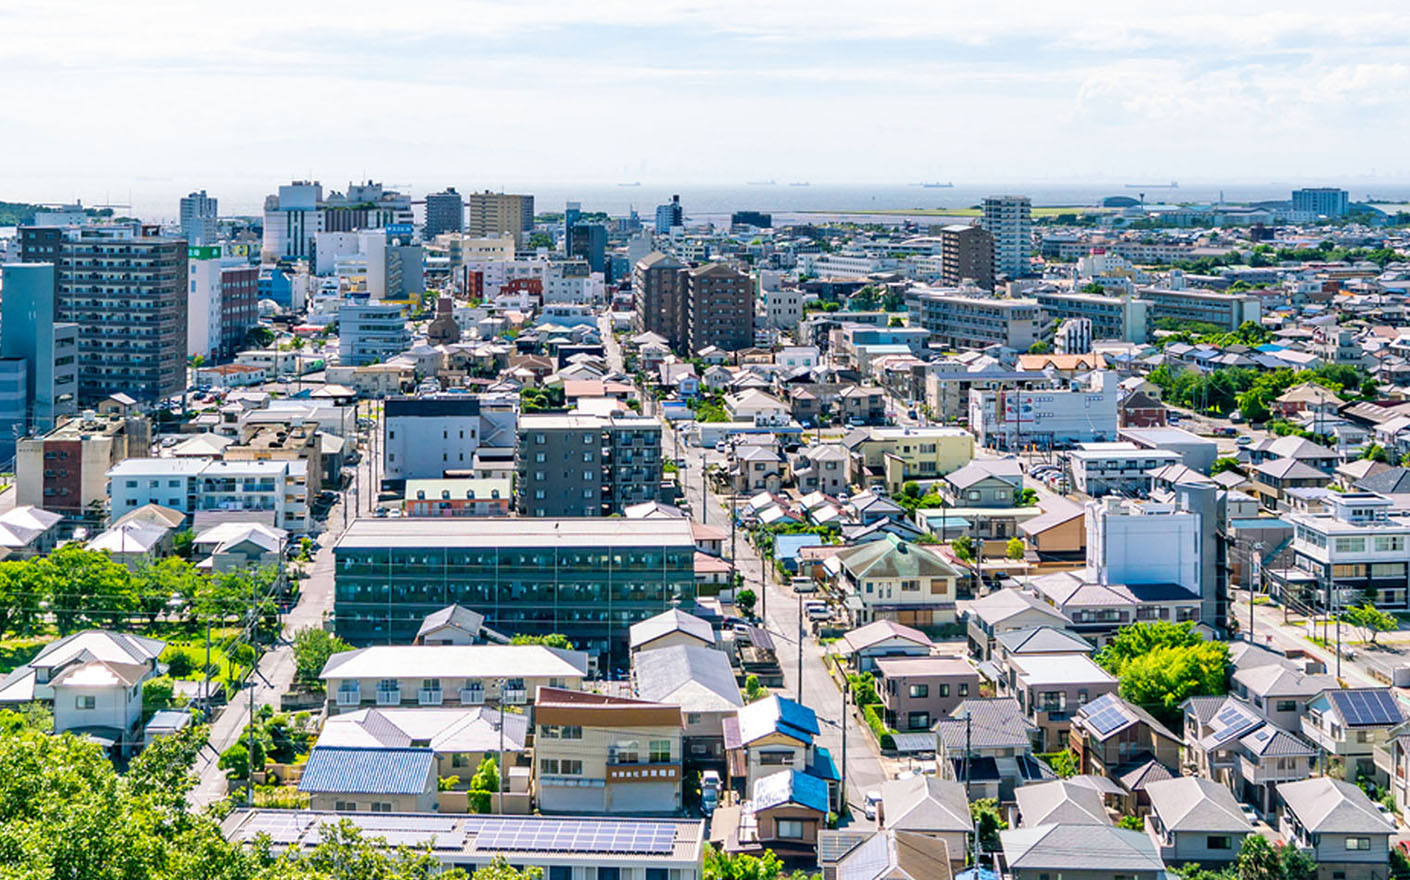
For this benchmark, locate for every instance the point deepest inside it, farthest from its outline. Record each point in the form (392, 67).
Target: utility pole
(1256, 578)
(499, 786)
(967, 724)
(842, 795)
(763, 587)
(704, 493)
(250, 696)
(800, 649)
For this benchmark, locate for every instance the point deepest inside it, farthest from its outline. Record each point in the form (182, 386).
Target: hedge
(878, 729)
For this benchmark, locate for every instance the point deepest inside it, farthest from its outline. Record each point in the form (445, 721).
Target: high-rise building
(1009, 219)
(658, 290)
(719, 308)
(966, 253)
(125, 288)
(586, 465)
(239, 305)
(14, 406)
(30, 329)
(445, 212)
(294, 217)
(588, 241)
(500, 214)
(1322, 201)
(198, 219)
(668, 215)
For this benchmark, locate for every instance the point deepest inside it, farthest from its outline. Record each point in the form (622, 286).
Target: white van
(802, 584)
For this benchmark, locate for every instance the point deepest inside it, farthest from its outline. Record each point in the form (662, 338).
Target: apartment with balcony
(600, 754)
(1357, 549)
(1113, 317)
(586, 465)
(1226, 310)
(66, 469)
(963, 318)
(1051, 689)
(124, 286)
(1124, 468)
(274, 493)
(392, 676)
(368, 334)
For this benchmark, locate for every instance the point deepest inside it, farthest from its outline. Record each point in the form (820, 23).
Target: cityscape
(1001, 518)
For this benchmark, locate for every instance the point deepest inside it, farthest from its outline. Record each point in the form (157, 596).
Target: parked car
(1249, 813)
(1243, 440)
(804, 584)
(819, 612)
(870, 804)
(709, 791)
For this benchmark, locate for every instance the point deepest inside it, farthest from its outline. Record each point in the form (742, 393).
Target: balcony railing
(388, 697)
(428, 697)
(348, 697)
(515, 696)
(472, 696)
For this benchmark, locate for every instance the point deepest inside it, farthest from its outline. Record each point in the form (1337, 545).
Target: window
(571, 731)
(548, 766)
(659, 752)
(627, 752)
(1350, 545)
(570, 767)
(921, 691)
(1358, 843)
(1285, 706)
(964, 688)
(381, 807)
(792, 829)
(345, 806)
(1218, 841)
(1390, 542)
(609, 874)
(560, 872)
(919, 720)
(85, 702)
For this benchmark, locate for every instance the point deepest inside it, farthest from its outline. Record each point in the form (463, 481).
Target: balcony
(472, 696)
(349, 696)
(388, 697)
(428, 697)
(514, 696)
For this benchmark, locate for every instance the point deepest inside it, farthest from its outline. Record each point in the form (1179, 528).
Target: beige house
(891, 579)
(890, 456)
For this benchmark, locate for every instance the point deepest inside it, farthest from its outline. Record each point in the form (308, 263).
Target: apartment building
(966, 254)
(1356, 547)
(1009, 219)
(586, 465)
(66, 469)
(658, 292)
(125, 288)
(601, 755)
(1226, 310)
(371, 333)
(199, 218)
(1121, 467)
(1017, 418)
(890, 456)
(1112, 317)
(590, 579)
(491, 213)
(719, 308)
(445, 212)
(274, 493)
(959, 319)
(426, 436)
(31, 331)
(1319, 201)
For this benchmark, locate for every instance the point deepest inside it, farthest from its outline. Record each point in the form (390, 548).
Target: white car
(1249, 813)
(873, 800)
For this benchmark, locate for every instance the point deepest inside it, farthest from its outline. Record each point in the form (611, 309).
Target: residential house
(984, 483)
(1140, 410)
(916, 692)
(376, 780)
(1296, 448)
(1336, 824)
(1051, 689)
(702, 683)
(1270, 481)
(1111, 737)
(451, 625)
(1066, 801)
(989, 743)
(448, 675)
(891, 579)
(459, 738)
(27, 531)
(756, 408)
(861, 405)
(936, 808)
(1058, 535)
(1080, 852)
(788, 808)
(235, 546)
(772, 734)
(1193, 819)
(864, 646)
(884, 855)
(821, 468)
(673, 627)
(1098, 610)
(599, 754)
(1039, 640)
(93, 682)
(1004, 611)
(1227, 741)
(1280, 692)
(758, 468)
(1348, 724)
(891, 456)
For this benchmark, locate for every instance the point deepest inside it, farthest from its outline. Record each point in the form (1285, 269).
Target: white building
(371, 333)
(1357, 548)
(271, 492)
(1143, 543)
(1010, 220)
(1100, 468)
(426, 436)
(1073, 336)
(1009, 418)
(198, 219)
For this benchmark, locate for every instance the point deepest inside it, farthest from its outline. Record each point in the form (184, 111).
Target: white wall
(422, 447)
(1149, 548)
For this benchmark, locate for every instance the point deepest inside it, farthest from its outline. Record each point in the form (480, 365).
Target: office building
(239, 305)
(66, 469)
(669, 215)
(198, 219)
(719, 308)
(1009, 219)
(299, 211)
(1322, 201)
(500, 214)
(658, 290)
(1111, 317)
(756, 219)
(1225, 310)
(958, 319)
(445, 212)
(222, 303)
(1015, 418)
(125, 288)
(586, 465)
(588, 241)
(589, 579)
(371, 333)
(966, 254)
(30, 330)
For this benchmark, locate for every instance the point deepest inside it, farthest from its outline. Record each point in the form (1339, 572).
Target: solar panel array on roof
(282, 828)
(1367, 708)
(1106, 714)
(413, 831)
(520, 835)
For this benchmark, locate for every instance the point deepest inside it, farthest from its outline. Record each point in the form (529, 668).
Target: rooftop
(498, 532)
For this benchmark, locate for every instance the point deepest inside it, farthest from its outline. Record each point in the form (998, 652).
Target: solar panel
(282, 828)
(1363, 708)
(1108, 719)
(583, 836)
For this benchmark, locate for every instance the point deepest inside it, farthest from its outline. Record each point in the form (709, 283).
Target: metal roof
(790, 786)
(335, 769)
(498, 532)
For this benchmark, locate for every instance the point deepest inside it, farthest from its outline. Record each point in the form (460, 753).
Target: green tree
(85, 587)
(1224, 464)
(753, 690)
(1375, 452)
(236, 759)
(1040, 347)
(964, 547)
(483, 785)
(745, 600)
(1014, 549)
(548, 640)
(720, 865)
(312, 648)
(1369, 620)
(540, 240)
(183, 543)
(1257, 860)
(1399, 865)
(1140, 638)
(1131, 823)
(987, 822)
(1298, 865)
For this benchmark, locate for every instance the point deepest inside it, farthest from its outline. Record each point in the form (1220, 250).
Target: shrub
(878, 728)
(179, 664)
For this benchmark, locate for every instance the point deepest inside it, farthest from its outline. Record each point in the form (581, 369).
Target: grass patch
(19, 651)
(194, 647)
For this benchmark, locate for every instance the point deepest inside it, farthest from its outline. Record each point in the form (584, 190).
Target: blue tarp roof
(787, 546)
(790, 786)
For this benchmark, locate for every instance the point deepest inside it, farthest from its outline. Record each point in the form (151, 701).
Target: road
(864, 770)
(1268, 623)
(276, 668)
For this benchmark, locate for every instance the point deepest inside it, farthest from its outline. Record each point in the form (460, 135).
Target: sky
(181, 95)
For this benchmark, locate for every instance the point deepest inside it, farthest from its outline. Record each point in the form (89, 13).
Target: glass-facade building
(588, 578)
